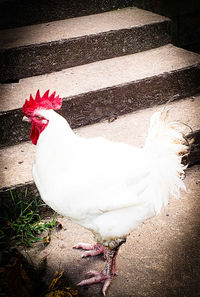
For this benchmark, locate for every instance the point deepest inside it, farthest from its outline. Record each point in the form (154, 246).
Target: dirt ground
(160, 259)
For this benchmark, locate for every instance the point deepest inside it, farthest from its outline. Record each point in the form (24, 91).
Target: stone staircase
(113, 69)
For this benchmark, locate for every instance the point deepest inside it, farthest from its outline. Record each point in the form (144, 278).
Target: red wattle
(36, 129)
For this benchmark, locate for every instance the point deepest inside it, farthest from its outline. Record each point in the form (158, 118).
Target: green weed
(21, 223)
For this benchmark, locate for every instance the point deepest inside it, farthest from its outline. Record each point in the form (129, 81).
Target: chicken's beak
(25, 119)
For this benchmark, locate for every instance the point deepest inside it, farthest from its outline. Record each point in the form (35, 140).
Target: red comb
(44, 102)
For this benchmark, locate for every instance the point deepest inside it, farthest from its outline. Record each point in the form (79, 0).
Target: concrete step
(17, 13)
(48, 47)
(104, 89)
(16, 161)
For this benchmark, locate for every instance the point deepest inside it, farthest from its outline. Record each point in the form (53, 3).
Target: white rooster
(107, 187)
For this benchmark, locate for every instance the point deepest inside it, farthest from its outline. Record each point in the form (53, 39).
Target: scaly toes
(106, 285)
(97, 277)
(93, 273)
(91, 250)
(83, 246)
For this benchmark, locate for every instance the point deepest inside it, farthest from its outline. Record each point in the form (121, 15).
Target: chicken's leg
(107, 274)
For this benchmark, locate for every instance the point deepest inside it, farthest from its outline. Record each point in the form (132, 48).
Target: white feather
(107, 187)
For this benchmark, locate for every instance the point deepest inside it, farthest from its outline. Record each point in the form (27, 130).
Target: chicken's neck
(57, 127)
(56, 122)
(54, 142)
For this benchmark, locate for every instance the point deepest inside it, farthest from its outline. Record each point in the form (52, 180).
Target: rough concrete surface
(77, 27)
(104, 89)
(22, 12)
(48, 57)
(45, 48)
(99, 75)
(160, 258)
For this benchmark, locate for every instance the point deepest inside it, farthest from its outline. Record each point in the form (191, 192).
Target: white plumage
(108, 187)
(105, 186)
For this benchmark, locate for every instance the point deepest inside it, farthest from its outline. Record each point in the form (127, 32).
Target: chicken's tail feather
(166, 144)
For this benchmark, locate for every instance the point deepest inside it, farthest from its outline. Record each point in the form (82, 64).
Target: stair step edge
(113, 87)
(125, 18)
(45, 48)
(22, 12)
(100, 75)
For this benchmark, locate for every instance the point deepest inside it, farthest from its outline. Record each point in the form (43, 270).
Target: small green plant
(21, 223)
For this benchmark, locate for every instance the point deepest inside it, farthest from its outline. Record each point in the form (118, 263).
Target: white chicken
(107, 187)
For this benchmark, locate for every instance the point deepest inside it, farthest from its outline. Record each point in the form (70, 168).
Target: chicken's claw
(98, 277)
(91, 249)
(106, 285)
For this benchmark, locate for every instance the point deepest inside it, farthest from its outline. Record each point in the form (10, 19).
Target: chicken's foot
(91, 249)
(107, 274)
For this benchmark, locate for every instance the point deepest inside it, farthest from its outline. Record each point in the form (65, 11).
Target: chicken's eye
(38, 117)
